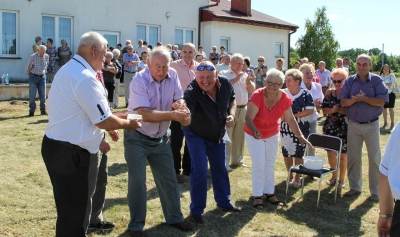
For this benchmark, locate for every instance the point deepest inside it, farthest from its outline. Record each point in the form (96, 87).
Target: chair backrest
(325, 141)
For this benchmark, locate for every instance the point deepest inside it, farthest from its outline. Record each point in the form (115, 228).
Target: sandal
(271, 198)
(295, 184)
(331, 182)
(258, 202)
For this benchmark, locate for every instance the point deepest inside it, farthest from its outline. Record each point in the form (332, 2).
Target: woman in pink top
(265, 109)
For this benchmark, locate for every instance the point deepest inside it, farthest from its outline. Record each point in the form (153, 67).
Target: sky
(356, 23)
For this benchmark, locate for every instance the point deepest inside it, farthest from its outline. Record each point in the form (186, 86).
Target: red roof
(222, 12)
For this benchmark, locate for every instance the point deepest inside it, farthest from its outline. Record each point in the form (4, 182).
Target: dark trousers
(201, 150)
(100, 192)
(68, 168)
(110, 90)
(176, 139)
(395, 229)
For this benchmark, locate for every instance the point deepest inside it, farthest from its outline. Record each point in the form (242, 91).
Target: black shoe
(43, 113)
(183, 226)
(102, 227)
(31, 114)
(352, 193)
(197, 219)
(230, 209)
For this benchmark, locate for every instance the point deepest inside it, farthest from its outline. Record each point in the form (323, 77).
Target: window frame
(56, 40)
(228, 48)
(281, 49)
(110, 32)
(184, 30)
(16, 55)
(147, 29)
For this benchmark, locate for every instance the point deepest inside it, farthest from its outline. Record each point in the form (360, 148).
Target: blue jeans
(139, 151)
(200, 149)
(37, 83)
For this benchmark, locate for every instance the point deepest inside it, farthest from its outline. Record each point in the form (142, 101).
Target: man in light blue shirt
(130, 61)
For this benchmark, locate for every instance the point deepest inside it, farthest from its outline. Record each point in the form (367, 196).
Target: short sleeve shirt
(77, 102)
(145, 92)
(390, 164)
(267, 120)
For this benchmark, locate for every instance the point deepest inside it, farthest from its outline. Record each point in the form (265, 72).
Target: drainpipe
(290, 33)
(199, 26)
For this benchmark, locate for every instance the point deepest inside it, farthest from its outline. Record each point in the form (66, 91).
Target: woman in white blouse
(390, 81)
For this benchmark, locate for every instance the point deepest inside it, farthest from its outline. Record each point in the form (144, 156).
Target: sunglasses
(205, 67)
(337, 81)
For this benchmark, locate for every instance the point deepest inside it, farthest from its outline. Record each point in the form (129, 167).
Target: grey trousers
(313, 129)
(127, 80)
(92, 180)
(100, 192)
(357, 134)
(140, 150)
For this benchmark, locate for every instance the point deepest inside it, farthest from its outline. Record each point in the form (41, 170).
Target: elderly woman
(64, 53)
(315, 89)
(109, 72)
(118, 76)
(247, 69)
(265, 109)
(302, 108)
(335, 123)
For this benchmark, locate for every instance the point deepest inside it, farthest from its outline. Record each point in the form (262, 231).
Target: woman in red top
(265, 109)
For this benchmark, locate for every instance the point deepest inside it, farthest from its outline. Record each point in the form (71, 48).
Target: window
(112, 37)
(226, 42)
(278, 49)
(184, 36)
(58, 28)
(149, 33)
(8, 33)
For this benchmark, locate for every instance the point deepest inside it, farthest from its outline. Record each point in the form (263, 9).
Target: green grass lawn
(27, 204)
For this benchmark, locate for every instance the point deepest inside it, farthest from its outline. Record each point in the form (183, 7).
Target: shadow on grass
(40, 121)
(330, 219)
(117, 168)
(13, 118)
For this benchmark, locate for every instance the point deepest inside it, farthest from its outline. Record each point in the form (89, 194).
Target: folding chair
(326, 142)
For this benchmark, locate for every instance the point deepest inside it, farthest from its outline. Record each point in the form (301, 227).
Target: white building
(232, 24)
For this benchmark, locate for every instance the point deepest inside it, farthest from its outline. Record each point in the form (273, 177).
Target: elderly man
(261, 72)
(214, 56)
(130, 60)
(339, 64)
(156, 94)
(78, 115)
(324, 76)
(389, 188)
(211, 100)
(364, 95)
(185, 68)
(243, 87)
(225, 62)
(37, 68)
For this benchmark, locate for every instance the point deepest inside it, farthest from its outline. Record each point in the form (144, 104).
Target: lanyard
(79, 62)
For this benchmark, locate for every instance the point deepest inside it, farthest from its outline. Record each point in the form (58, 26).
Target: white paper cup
(134, 117)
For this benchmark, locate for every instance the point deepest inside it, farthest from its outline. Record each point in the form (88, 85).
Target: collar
(150, 78)
(85, 63)
(186, 65)
(303, 86)
(368, 78)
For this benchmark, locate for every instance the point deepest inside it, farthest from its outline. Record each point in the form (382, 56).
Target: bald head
(93, 47)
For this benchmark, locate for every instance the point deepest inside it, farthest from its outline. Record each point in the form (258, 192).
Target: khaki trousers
(234, 149)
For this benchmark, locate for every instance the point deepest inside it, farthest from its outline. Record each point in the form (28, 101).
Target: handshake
(181, 113)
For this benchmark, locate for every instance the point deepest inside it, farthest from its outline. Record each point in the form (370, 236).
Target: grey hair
(92, 38)
(43, 47)
(366, 56)
(190, 45)
(237, 57)
(321, 62)
(108, 54)
(116, 53)
(307, 66)
(274, 73)
(160, 51)
(296, 74)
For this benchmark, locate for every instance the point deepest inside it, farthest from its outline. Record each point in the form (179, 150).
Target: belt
(37, 75)
(129, 71)
(241, 106)
(368, 122)
(154, 139)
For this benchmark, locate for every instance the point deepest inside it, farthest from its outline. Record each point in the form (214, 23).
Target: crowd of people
(210, 106)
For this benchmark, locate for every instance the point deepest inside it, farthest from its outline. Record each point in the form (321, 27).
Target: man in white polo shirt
(78, 115)
(389, 188)
(243, 87)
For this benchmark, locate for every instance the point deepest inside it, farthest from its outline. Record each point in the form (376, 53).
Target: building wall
(117, 16)
(248, 40)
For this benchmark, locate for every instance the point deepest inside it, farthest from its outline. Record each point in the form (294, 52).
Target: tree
(294, 57)
(318, 43)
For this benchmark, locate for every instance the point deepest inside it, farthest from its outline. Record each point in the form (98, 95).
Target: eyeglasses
(337, 81)
(205, 67)
(275, 84)
(260, 61)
